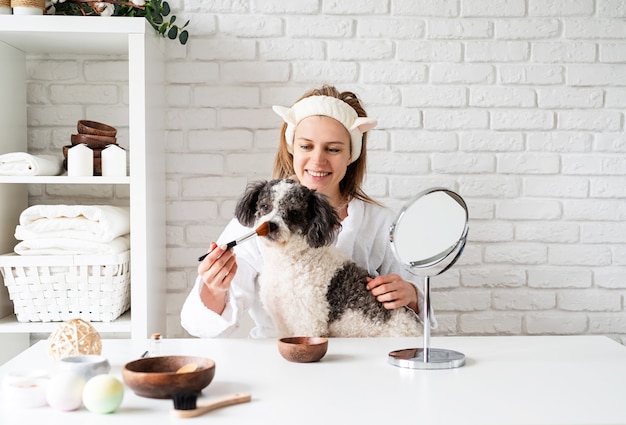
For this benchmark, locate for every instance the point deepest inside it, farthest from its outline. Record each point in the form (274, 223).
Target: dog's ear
(323, 221)
(246, 206)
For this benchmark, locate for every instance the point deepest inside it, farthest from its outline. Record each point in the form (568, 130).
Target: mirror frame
(437, 259)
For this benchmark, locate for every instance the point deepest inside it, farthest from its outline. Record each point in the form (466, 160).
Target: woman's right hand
(217, 271)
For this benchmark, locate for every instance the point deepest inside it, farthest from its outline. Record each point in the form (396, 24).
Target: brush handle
(231, 244)
(201, 409)
(241, 239)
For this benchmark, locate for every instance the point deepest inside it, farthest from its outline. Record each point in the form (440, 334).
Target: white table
(506, 380)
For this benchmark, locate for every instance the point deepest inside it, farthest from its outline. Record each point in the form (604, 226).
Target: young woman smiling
(323, 145)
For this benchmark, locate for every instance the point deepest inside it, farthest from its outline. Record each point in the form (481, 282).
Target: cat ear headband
(329, 107)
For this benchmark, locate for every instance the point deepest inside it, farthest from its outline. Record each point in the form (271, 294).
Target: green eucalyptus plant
(155, 11)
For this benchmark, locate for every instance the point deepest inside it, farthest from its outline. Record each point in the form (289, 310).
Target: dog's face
(291, 209)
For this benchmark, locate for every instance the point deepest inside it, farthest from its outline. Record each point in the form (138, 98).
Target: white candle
(113, 161)
(80, 161)
(27, 11)
(28, 7)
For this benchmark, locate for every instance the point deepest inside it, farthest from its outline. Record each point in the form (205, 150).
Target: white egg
(103, 394)
(65, 391)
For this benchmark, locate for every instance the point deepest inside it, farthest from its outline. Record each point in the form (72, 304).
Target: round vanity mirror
(427, 237)
(429, 230)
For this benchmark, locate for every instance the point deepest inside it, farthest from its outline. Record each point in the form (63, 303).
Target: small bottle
(155, 345)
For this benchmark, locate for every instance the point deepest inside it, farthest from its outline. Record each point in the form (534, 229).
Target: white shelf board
(9, 324)
(64, 180)
(71, 34)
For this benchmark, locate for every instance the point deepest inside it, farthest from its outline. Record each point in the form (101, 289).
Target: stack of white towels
(73, 230)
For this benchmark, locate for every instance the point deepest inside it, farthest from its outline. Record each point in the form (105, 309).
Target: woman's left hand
(393, 292)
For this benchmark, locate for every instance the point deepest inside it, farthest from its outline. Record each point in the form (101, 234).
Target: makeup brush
(185, 404)
(263, 230)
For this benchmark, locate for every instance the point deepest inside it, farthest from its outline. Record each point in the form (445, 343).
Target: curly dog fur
(307, 286)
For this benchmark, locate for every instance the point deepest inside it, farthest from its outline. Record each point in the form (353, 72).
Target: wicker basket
(56, 288)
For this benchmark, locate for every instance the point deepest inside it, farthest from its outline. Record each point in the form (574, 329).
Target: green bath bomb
(103, 394)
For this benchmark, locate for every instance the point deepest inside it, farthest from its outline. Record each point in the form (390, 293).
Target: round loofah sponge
(72, 338)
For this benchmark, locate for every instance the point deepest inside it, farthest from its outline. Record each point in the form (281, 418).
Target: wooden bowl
(96, 128)
(157, 377)
(93, 141)
(303, 349)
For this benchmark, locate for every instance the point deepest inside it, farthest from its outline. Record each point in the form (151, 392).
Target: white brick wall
(516, 104)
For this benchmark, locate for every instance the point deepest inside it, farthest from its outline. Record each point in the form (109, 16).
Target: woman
(323, 146)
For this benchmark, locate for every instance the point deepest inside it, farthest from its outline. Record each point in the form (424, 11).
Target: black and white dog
(307, 286)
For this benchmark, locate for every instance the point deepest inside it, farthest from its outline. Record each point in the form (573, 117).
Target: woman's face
(321, 154)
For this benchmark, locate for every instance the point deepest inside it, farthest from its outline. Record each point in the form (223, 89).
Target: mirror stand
(426, 358)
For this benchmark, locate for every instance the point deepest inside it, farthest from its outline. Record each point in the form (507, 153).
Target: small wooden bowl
(157, 377)
(303, 349)
(96, 128)
(93, 141)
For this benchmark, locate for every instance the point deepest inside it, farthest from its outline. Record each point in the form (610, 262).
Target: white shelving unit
(21, 36)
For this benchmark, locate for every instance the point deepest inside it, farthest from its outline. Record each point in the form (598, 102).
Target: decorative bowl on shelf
(161, 377)
(93, 141)
(95, 128)
(303, 349)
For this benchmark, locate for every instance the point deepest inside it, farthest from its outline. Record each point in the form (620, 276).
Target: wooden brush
(185, 404)
(263, 230)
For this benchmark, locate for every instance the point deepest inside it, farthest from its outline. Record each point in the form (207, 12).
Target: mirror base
(413, 358)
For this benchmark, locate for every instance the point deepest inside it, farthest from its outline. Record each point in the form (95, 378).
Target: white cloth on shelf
(24, 164)
(95, 223)
(68, 246)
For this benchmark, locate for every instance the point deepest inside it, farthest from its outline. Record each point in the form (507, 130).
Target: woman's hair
(351, 185)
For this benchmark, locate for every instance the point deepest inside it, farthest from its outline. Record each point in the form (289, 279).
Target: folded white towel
(96, 223)
(24, 164)
(66, 246)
